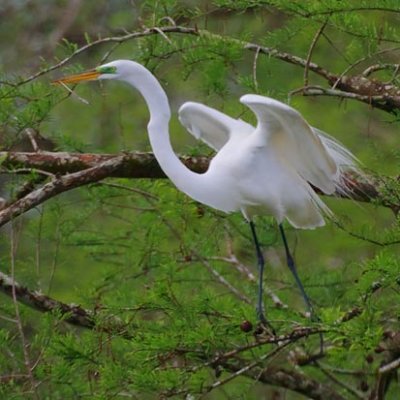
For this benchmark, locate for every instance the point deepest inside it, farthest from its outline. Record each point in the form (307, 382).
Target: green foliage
(141, 254)
(24, 106)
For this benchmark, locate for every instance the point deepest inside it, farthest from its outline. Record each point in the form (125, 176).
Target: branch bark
(59, 185)
(128, 165)
(87, 168)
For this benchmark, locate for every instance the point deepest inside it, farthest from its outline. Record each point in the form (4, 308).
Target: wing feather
(211, 126)
(294, 140)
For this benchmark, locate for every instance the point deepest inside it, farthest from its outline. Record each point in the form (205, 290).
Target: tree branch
(289, 379)
(87, 168)
(370, 91)
(71, 313)
(59, 185)
(128, 165)
(79, 316)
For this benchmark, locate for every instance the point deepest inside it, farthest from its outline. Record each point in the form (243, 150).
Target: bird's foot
(264, 326)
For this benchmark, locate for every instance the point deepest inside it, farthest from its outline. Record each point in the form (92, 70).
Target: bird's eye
(107, 70)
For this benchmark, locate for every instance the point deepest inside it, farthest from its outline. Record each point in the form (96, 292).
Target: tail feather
(345, 161)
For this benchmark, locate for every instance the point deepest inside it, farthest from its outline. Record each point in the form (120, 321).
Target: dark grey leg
(292, 266)
(261, 263)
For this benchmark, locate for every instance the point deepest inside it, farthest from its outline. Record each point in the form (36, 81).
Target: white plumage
(272, 165)
(268, 169)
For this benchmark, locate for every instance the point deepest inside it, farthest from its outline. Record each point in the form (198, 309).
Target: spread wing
(294, 141)
(211, 126)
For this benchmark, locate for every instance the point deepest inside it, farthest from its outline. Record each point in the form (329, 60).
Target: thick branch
(136, 165)
(59, 185)
(129, 165)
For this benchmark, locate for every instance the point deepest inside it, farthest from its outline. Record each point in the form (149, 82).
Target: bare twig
(73, 94)
(221, 279)
(31, 133)
(245, 271)
(349, 10)
(21, 171)
(379, 67)
(361, 60)
(389, 102)
(321, 91)
(392, 366)
(186, 31)
(255, 82)
(310, 51)
(382, 243)
(130, 189)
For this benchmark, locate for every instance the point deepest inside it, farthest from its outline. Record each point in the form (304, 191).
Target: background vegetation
(126, 288)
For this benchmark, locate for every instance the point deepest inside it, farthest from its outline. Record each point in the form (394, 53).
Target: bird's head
(118, 69)
(132, 73)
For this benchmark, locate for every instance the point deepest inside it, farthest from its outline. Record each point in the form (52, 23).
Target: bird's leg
(261, 263)
(292, 266)
(293, 269)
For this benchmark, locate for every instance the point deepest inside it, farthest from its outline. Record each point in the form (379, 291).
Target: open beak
(85, 76)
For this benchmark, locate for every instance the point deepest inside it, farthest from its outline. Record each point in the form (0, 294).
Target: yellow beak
(85, 76)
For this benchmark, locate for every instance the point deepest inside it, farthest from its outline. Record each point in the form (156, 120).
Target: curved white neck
(184, 179)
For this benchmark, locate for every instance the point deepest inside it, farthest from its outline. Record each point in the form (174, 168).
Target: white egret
(264, 170)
